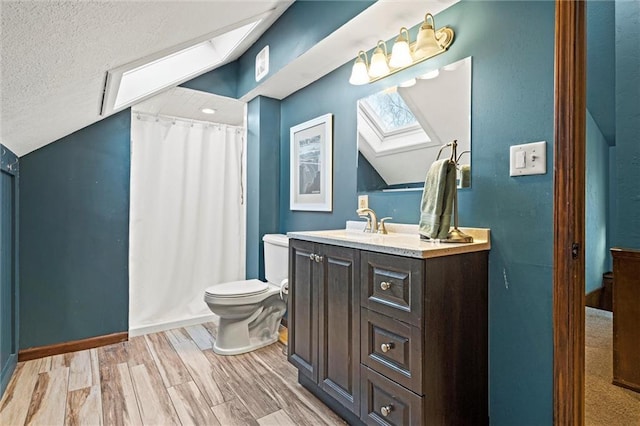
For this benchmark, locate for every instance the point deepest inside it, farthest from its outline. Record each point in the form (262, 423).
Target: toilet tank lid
(278, 239)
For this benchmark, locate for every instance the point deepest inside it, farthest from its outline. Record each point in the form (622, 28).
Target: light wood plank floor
(165, 378)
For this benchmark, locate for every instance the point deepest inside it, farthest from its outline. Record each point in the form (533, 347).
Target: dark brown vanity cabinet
(324, 318)
(396, 340)
(424, 338)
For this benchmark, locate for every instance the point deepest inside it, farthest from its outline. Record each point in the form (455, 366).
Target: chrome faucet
(372, 220)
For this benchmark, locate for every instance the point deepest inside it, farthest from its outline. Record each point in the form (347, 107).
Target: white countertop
(402, 240)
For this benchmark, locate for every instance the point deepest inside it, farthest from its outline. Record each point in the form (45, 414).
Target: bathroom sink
(373, 238)
(401, 239)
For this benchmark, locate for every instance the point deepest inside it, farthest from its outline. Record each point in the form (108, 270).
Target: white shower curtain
(187, 219)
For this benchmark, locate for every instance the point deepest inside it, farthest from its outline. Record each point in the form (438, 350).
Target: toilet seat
(237, 289)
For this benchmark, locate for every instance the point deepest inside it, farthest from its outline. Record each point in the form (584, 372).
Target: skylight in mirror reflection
(390, 110)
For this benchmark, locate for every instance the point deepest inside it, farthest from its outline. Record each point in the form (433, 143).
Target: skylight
(130, 84)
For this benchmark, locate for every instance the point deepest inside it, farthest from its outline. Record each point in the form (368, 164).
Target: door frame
(569, 212)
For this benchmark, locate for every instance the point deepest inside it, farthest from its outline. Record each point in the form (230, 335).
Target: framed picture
(311, 165)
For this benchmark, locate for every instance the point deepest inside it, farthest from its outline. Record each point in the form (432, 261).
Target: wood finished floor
(165, 378)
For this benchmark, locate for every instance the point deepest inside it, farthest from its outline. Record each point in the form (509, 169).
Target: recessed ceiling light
(208, 110)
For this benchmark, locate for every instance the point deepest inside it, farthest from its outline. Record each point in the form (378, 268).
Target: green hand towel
(437, 200)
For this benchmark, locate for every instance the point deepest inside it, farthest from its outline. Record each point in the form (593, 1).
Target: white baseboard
(162, 326)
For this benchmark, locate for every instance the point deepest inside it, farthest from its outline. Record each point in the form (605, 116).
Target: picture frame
(311, 165)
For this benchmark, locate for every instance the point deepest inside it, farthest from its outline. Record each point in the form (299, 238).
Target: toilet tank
(276, 257)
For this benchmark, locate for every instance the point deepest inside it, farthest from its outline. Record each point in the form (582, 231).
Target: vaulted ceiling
(55, 54)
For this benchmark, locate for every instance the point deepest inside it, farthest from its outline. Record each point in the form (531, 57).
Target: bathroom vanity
(389, 329)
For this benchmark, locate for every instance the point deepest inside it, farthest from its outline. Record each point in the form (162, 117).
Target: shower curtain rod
(173, 119)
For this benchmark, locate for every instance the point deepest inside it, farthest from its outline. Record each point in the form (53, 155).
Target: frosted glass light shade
(359, 74)
(426, 42)
(400, 54)
(379, 66)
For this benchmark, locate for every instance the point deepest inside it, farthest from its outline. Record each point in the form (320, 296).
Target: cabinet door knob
(386, 347)
(312, 257)
(317, 258)
(386, 410)
(385, 285)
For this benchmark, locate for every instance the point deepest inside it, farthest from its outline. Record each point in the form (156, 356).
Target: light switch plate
(528, 159)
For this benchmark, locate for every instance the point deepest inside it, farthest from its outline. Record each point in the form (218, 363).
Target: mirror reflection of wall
(401, 129)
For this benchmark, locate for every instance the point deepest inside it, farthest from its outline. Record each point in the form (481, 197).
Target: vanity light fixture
(429, 43)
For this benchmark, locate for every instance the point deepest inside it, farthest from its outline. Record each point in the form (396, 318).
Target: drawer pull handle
(384, 285)
(386, 347)
(386, 410)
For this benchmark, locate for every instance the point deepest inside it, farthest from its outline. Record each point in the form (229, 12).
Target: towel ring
(454, 146)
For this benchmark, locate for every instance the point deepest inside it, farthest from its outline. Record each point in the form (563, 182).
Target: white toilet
(250, 311)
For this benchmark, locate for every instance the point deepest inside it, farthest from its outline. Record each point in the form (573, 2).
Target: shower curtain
(187, 218)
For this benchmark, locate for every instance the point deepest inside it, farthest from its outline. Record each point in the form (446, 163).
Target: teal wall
(601, 66)
(9, 286)
(596, 206)
(512, 45)
(263, 180)
(74, 235)
(222, 81)
(627, 100)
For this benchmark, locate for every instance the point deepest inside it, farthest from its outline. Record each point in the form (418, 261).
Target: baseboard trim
(71, 346)
(162, 326)
(623, 384)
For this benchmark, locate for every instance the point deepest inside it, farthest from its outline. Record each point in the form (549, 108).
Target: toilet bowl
(250, 311)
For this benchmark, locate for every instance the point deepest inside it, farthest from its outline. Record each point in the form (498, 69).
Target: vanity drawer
(387, 403)
(392, 348)
(393, 285)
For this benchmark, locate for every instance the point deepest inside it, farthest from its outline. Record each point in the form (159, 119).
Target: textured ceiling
(55, 55)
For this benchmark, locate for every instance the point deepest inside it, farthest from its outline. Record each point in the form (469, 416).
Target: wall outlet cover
(528, 159)
(363, 201)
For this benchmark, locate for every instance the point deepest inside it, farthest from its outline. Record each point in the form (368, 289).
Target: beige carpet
(605, 404)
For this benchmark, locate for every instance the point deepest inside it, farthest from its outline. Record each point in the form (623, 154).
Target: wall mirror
(401, 129)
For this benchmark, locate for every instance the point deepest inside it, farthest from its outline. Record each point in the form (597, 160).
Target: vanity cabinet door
(339, 325)
(304, 275)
